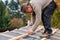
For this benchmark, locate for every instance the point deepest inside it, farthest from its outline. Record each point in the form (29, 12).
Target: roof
(21, 32)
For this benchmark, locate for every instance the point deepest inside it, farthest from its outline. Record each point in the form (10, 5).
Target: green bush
(56, 18)
(4, 16)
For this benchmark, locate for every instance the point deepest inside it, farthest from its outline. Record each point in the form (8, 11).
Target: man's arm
(38, 13)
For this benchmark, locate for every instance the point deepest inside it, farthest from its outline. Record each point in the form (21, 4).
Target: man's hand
(30, 31)
(31, 24)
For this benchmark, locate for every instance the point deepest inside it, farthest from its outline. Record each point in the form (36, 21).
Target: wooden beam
(25, 34)
(55, 37)
(54, 30)
(39, 29)
(8, 36)
(16, 38)
(56, 34)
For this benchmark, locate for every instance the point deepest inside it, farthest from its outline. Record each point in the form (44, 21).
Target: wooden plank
(8, 36)
(55, 37)
(39, 29)
(58, 32)
(54, 31)
(17, 32)
(23, 33)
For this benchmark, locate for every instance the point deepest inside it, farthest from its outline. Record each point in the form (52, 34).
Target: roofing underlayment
(21, 32)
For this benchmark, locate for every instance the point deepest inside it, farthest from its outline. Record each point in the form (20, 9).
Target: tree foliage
(56, 18)
(4, 16)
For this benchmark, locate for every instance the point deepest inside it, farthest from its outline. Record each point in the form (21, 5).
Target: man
(40, 9)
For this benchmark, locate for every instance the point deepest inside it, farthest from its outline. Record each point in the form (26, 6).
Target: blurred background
(11, 17)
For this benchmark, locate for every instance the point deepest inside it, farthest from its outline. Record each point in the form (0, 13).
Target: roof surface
(20, 31)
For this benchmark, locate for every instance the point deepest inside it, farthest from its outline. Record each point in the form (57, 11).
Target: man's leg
(46, 17)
